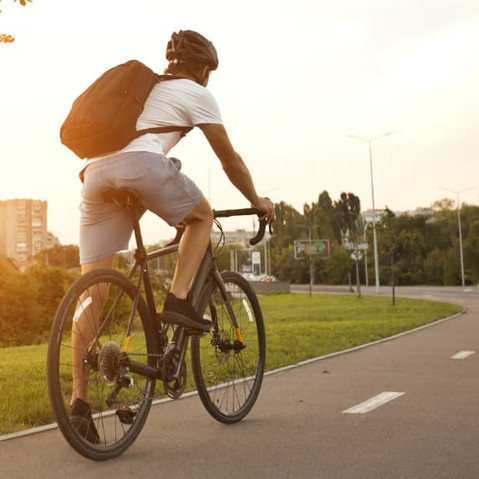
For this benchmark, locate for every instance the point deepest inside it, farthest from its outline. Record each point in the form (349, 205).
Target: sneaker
(81, 418)
(180, 312)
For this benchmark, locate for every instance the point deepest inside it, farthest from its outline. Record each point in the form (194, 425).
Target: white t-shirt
(173, 103)
(178, 102)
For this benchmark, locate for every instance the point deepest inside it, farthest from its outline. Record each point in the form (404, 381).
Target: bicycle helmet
(189, 46)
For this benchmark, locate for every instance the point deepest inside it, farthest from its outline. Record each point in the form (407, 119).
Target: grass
(298, 327)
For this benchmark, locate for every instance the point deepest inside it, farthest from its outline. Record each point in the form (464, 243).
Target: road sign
(356, 256)
(355, 246)
(305, 248)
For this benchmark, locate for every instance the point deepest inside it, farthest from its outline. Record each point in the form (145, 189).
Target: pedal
(198, 331)
(125, 414)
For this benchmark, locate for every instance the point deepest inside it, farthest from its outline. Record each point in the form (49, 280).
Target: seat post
(128, 199)
(132, 206)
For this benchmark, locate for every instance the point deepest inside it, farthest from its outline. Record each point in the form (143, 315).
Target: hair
(190, 68)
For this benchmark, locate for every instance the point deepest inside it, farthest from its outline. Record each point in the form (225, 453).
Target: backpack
(103, 118)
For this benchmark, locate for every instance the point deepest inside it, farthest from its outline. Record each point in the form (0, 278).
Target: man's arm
(235, 168)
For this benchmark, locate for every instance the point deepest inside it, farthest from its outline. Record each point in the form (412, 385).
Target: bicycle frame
(108, 345)
(206, 272)
(142, 259)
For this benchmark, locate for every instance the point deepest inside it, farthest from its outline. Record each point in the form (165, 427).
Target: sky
(295, 79)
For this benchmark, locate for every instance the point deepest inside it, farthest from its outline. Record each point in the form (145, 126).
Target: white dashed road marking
(373, 403)
(462, 354)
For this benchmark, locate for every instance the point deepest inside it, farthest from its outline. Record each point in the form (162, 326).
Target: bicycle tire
(101, 302)
(228, 380)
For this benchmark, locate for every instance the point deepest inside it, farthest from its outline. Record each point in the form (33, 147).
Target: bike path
(298, 428)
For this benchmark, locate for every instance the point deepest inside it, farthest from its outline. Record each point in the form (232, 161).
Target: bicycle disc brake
(222, 344)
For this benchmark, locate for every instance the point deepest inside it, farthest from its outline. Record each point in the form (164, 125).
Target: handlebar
(246, 212)
(229, 213)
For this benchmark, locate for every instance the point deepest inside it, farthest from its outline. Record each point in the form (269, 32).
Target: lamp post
(461, 255)
(375, 239)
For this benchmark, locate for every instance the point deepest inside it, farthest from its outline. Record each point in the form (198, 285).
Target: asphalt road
(299, 427)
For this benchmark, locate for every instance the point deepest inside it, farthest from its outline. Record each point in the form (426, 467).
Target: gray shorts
(106, 228)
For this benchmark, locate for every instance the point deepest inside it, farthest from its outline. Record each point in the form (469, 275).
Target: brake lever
(259, 236)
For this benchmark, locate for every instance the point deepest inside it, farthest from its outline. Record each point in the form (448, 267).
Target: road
(299, 427)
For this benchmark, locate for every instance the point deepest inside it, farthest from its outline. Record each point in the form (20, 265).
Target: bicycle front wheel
(95, 326)
(228, 362)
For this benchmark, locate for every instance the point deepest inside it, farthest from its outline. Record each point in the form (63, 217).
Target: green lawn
(298, 327)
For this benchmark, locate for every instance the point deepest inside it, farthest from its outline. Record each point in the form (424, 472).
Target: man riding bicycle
(143, 166)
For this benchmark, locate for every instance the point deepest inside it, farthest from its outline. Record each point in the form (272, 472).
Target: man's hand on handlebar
(267, 206)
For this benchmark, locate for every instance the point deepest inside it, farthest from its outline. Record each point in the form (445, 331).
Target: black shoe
(81, 418)
(180, 312)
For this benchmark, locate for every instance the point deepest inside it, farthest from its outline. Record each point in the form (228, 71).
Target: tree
(471, 251)
(403, 247)
(48, 286)
(17, 306)
(286, 226)
(348, 209)
(322, 217)
(28, 301)
(286, 230)
(66, 256)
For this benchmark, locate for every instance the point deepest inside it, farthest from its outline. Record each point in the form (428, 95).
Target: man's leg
(192, 248)
(102, 263)
(83, 334)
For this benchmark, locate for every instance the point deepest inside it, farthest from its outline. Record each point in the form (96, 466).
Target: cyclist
(143, 166)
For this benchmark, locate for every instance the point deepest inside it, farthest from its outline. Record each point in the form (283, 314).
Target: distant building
(239, 236)
(420, 211)
(23, 230)
(369, 216)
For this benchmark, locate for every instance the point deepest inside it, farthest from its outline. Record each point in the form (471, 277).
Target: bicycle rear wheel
(87, 340)
(228, 372)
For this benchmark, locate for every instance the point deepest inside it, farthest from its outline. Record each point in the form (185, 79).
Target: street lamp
(461, 256)
(375, 239)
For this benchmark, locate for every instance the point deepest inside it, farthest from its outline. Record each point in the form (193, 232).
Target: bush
(28, 301)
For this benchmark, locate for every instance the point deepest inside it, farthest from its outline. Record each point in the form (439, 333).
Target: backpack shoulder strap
(165, 129)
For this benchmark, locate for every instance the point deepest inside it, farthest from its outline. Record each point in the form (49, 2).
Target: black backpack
(103, 118)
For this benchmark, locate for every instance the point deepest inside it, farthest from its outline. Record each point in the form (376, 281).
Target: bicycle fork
(229, 308)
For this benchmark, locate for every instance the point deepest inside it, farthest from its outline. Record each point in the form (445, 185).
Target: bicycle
(124, 348)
